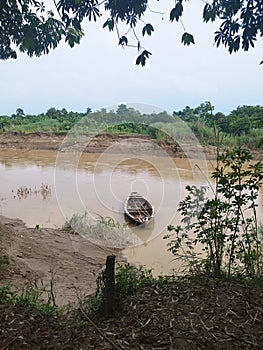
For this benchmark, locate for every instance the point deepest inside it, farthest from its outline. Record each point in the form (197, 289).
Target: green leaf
(110, 24)
(73, 36)
(187, 39)
(209, 13)
(148, 28)
(123, 40)
(176, 12)
(141, 59)
(146, 53)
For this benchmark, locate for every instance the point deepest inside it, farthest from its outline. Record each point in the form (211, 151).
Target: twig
(156, 12)
(146, 323)
(205, 326)
(239, 338)
(255, 317)
(100, 331)
(231, 312)
(6, 346)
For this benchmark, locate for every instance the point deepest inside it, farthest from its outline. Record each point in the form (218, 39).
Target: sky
(98, 73)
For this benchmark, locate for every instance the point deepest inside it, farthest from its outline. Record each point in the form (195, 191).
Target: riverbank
(45, 254)
(196, 313)
(99, 143)
(189, 314)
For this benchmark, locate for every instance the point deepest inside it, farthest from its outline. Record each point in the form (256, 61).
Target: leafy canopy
(29, 26)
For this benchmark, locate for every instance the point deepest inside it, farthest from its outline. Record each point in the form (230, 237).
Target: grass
(33, 295)
(128, 279)
(102, 230)
(45, 125)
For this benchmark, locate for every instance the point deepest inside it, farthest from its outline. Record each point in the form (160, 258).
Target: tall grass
(102, 230)
(46, 125)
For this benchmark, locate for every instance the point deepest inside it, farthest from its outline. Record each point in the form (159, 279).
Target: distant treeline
(243, 125)
(240, 121)
(54, 120)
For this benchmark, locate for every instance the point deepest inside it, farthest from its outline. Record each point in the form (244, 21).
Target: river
(45, 189)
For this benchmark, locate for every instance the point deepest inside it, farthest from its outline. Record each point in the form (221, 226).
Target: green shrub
(224, 227)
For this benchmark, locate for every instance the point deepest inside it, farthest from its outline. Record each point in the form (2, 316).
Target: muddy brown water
(98, 184)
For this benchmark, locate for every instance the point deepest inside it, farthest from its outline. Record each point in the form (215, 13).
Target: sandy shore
(39, 255)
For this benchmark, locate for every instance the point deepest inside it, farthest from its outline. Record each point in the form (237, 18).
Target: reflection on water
(99, 184)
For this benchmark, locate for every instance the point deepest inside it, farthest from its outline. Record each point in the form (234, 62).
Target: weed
(37, 227)
(24, 192)
(6, 295)
(129, 278)
(32, 295)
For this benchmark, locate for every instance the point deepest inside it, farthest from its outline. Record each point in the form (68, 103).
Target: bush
(225, 227)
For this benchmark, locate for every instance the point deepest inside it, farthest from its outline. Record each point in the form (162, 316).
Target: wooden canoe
(138, 209)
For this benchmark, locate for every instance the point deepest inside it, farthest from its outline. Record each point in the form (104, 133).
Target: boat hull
(138, 208)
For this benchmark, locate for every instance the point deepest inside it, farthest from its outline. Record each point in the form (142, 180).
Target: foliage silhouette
(34, 28)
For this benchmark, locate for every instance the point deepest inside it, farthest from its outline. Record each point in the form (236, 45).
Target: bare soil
(45, 254)
(98, 143)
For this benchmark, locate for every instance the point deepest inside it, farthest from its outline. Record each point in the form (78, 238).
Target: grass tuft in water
(101, 230)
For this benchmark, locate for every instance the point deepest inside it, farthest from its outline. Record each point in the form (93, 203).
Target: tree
(187, 114)
(122, 110)
(27, 25)
(20, 113)
(52, 113)
(203, 113)
(253, 113)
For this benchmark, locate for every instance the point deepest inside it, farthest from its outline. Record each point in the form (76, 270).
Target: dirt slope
(40, 254)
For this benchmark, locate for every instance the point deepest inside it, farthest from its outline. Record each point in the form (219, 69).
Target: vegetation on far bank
(242, 127)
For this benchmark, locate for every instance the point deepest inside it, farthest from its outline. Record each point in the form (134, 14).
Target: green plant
(6, 294)
(37, 227)
(34, 295)
(220, 234)
(129, 278)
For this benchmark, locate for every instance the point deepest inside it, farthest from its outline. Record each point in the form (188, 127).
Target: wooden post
(109, 286)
